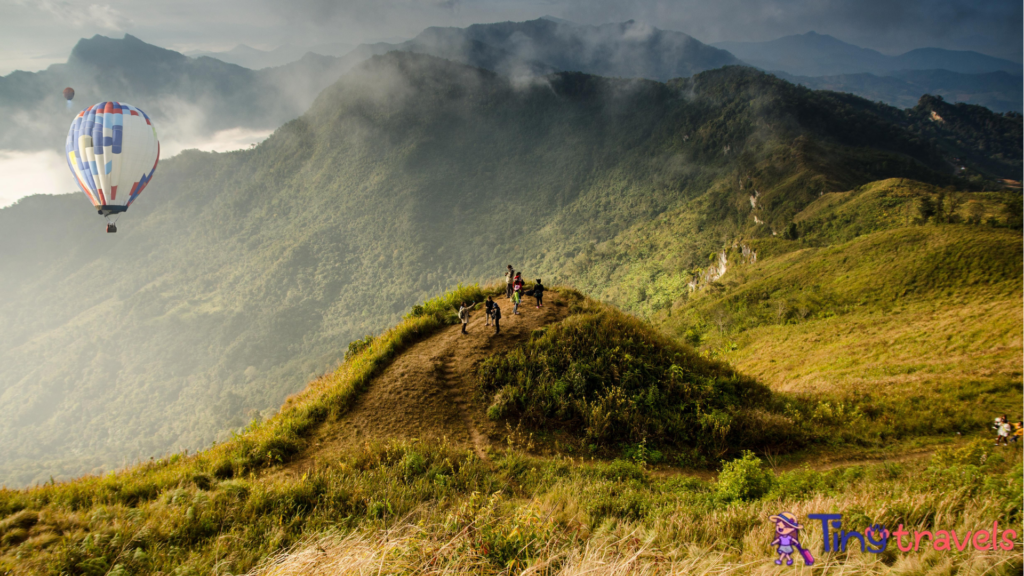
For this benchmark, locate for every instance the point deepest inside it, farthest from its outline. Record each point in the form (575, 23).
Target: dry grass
(870, 352)
(627, 549)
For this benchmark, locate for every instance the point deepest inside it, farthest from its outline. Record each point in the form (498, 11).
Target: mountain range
(997, 91)
(814, 54)
(192, 98)
(256, 59)
(237, 277)
(628, 49)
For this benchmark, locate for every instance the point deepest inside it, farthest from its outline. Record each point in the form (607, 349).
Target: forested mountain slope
(625, 49)
(238, 276)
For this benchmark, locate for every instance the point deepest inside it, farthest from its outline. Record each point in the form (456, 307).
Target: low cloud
(46, 171)
(28, 173)
(222, 141)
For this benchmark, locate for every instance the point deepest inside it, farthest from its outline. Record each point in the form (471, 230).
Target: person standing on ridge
(464, 316)
(517, 283)
(517, 296)
(1004, 432)
(496, 314)
(489, 307)
(510, 276)
(538, 293)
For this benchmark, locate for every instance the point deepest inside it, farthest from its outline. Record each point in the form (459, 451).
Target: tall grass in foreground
(400, 551)
(427, 507)
(615, 519)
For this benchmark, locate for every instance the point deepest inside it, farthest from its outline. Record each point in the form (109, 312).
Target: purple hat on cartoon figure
(787, 519)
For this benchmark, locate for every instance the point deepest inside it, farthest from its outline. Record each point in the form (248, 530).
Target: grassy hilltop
(519, 488)
(240, 276)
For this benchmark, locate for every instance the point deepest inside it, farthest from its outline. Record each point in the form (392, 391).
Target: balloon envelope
(112, 150)
(69, 93)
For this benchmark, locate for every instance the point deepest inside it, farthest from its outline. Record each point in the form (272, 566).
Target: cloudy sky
(36, 33)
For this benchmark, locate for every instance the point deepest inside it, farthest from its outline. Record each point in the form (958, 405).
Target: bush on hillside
(446, 306)
(744, 479)
(610, 378)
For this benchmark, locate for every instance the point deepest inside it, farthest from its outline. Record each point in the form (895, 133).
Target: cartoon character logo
(787, 530)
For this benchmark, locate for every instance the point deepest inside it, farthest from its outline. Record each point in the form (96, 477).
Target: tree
(975, 212)
(791, 232)
(722, 319)
(1013, 209)
(927, 208)
(956, 200)
(780, 310)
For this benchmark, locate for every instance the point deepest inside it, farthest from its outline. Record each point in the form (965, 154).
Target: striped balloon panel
(112, 150)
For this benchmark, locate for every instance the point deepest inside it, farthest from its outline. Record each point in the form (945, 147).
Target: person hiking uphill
(510, 277)
(517, 283)
(464, 316)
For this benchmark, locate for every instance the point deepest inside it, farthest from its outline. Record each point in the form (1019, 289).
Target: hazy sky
(36, 33)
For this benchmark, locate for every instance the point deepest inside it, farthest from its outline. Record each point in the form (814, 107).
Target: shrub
(744, 479)
(357, 346)
(445, 307)
(973, 453)
(612, 379)
(620, 470)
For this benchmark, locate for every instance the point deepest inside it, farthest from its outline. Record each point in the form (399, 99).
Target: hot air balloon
(69, 95)
(112, 150)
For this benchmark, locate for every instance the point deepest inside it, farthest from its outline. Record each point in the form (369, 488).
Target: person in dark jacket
(489, 308)
(538, 293)
(496, 314)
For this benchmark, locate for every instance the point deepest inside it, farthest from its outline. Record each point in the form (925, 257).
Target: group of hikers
(1006, 432)
(514, 291)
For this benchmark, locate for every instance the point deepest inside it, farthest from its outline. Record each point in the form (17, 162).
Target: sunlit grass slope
(917, 326)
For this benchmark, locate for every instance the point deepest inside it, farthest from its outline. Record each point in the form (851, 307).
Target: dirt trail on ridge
(429, 390)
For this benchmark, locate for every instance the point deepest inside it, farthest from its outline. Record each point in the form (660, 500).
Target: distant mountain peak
(124, 51)
(814, 54)
(556, 20)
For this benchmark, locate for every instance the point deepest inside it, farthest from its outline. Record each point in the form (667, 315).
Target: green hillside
(240, 276)
(270, 497)
(915, 325)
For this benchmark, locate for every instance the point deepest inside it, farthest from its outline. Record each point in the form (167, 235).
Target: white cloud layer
(28, 173)
(46, 172)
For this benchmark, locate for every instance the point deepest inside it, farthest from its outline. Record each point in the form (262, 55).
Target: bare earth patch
(429, 392)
